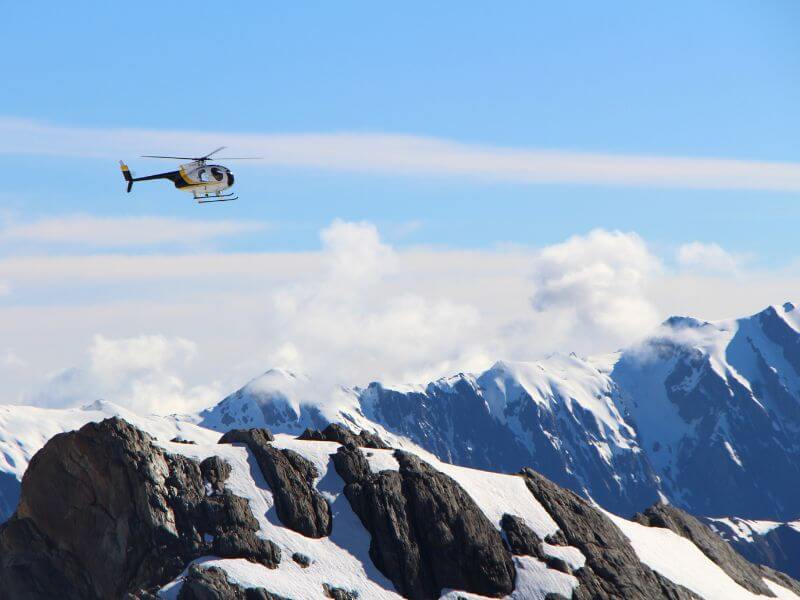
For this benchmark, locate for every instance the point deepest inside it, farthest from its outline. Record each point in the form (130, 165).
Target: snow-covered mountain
(763, 542)
(704, 414)
(111, 511)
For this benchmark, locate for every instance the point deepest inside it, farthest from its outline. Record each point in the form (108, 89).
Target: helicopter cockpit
(212, 174)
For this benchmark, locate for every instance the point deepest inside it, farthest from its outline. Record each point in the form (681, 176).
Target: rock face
(427, 533)
(612, 570)
(746, 574)
(521, 539)
(336, 433)
(103, 511)
(291, 478)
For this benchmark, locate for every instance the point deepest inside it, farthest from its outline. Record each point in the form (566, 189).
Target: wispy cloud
(708, 258)
(120, 232)
(409, 155)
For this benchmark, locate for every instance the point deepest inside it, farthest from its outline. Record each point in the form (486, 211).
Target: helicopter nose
(230, 178)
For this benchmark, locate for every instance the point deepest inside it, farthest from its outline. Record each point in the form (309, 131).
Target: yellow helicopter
(204, 181)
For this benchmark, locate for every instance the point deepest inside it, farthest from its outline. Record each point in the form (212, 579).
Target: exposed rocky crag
(291, 478)
(427, 533)
(211, 583)
(337, 433)
(103, 511)
(612, 570)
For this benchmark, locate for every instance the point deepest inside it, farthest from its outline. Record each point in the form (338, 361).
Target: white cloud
(595, 284)
(346, 324)
(355, 311)
(710, 258)
(118, 232)
(140, 373)
(409, 155)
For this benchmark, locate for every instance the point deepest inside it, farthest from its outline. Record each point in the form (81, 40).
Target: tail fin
(126, 173)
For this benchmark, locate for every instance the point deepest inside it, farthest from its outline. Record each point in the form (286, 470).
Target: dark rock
(291, 478)
(105, 512)
(556, 539)
(351, 465)
(557, 564)
(714, 547)
(338, 593)
(612, 570)
(211, 583)
(246, 436)
(180, 440)
(337, 433)
(426, 532)
(301, 559)
(554, 596)
(215, 471)
(521, 539)
(242, 543)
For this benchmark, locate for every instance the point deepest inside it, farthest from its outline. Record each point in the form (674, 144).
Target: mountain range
(704, 415)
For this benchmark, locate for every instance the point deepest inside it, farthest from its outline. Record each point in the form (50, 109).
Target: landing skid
(215, 198)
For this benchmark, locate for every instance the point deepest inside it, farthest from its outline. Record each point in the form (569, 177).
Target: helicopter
(205, 182)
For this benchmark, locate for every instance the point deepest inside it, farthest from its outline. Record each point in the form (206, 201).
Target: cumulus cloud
(348, 322)
(355, 311)
(141, 373)
(596, 285)
(119, 232)
(711, 258)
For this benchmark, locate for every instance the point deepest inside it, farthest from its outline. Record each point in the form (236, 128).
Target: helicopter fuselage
(202, 180)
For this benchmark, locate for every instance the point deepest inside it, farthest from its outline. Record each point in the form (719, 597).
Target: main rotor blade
(239, 158)
(210, 154)
(175, 157)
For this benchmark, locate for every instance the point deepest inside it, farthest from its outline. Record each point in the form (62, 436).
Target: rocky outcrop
(612, 569)
(521, 539)
(742, 572)
(337, 433)
(211, 583)
(748, 575)
(291, 478)
(426, 532)
(104, 511)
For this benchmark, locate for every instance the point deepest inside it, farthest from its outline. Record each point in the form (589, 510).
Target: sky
(442, 185)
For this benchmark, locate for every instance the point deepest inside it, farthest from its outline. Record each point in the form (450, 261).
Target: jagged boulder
(522, 540)
(337, 433)
(291, 478)
(743, 572)
(427, 532)
(104, 511)
(211, 583)
(612, 570)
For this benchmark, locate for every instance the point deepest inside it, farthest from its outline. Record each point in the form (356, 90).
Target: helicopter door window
(202, 175)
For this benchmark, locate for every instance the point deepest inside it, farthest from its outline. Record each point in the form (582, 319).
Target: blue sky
(444, 184)
(712, 79)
